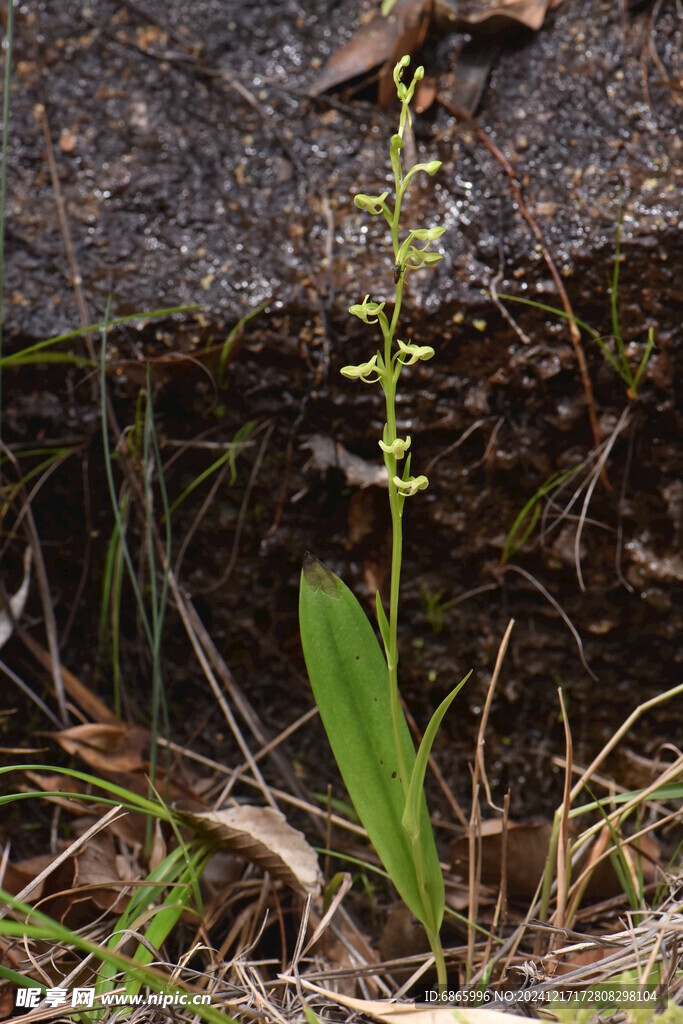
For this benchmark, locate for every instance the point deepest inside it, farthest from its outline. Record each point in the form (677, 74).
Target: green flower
(373, 204)
(362, 371)
(410, 353)
(367, 309)
(412, 485)
(398, 448)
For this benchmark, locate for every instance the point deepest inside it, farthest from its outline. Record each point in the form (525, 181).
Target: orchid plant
(355, 685)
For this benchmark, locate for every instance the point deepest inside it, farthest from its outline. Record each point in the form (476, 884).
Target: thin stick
(563, 844)
(478, 773)
(76, 279)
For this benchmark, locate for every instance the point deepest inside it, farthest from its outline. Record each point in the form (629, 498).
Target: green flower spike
(362, 371)
(397, 449)
(412, 485)
(410, 353)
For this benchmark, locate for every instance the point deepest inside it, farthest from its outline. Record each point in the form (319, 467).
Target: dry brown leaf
(326, 454)
(408, 1013)
(6, 1002)
(62, 784)
(98, 868)
(263, 835)
(128, 827)
(527, 847)
(17, 876)
(530, 13)
(381, 42)
(108, 748)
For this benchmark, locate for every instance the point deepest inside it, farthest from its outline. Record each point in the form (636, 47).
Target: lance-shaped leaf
(411, 817)
(350, 684)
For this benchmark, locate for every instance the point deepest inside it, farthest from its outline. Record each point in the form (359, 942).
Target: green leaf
(350, 682)
(411, 816)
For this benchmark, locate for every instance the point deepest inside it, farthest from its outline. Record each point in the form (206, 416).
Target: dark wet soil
(201, 172)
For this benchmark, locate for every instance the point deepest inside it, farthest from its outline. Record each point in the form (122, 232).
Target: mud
(202, 172)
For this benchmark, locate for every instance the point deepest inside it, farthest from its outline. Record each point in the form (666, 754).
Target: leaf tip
(319, 578)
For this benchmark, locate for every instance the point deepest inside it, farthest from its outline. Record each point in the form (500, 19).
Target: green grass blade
(350, 682)
(513, 541)
(229, 342)
(21, 358)
(517, 538)
(413, 819)
(230, 455)
(39, 926)
(555, 310)
(643, 362)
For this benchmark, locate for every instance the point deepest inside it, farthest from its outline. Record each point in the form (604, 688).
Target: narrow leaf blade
(350, 684)
(411, 816)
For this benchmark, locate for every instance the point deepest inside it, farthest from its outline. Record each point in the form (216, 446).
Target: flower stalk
(385, 367)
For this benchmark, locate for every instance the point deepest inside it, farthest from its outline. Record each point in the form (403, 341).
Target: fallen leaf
(529, 13)
(98, 869)
(17, 876)
(263, 835)
(16, 602)
(328, 454)
(62, 784)
(527, 846)
(109, 748)
(382, 41)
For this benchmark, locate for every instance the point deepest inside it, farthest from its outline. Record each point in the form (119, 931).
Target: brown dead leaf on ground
(130, 828)
(17, 876)
(62, 784)
(382, 42)
(529, 13)
(120, 752)
(101, 873)
(527, 847)
(109, 748)
(327, 454)
(263, 835)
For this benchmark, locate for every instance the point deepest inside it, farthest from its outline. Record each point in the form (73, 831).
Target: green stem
(439, 960)
(396, 502)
